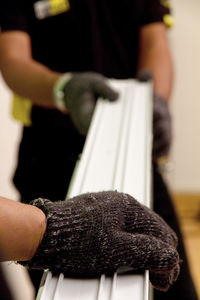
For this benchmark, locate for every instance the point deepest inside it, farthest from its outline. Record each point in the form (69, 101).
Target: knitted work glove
(162, 127)
(97, 233)
(80, 94)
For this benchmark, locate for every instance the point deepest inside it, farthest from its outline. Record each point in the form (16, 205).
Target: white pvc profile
(116, 156)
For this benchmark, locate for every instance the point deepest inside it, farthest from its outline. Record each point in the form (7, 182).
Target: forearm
(155, 56)
(31, 80)
(22, 73)
(22, 228)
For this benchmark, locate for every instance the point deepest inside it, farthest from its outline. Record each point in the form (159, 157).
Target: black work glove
(97, 233)
(162, 124)
(80, 94)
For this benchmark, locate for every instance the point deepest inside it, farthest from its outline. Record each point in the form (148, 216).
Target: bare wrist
(22, 228)
(39, 228)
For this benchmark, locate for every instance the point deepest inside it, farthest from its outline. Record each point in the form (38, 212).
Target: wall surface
(185, 104)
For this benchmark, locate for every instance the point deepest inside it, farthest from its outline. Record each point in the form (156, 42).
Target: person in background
(56, 56)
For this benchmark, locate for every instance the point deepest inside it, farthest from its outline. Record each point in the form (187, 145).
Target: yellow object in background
(58, 6)
(168, 20)
(21, 109)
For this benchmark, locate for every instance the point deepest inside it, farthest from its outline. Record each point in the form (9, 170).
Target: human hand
(80, 94)
(97, 233)
(162, 127)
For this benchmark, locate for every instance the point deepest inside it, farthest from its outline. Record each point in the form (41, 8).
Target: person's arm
(154, 55)
(22, 228)
(24, 75)
(75, 93)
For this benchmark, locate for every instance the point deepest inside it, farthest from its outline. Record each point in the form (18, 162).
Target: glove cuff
(58, 91)
(44, 256)
(159, 97)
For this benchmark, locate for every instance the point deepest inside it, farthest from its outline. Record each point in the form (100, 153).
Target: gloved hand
(80, 94)
(97, 233)
(162, 127)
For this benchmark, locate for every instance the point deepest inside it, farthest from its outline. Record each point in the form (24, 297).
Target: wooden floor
(188, 209)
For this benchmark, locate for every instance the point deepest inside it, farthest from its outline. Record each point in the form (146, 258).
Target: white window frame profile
(116, 156)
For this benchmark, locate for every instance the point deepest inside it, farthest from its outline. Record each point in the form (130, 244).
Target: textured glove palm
(80, 95)
(97, 233)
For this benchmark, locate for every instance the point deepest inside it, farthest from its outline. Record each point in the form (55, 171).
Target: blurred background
(182, 169)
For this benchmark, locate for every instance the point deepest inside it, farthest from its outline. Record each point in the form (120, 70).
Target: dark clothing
(100, 35)
(48, 154)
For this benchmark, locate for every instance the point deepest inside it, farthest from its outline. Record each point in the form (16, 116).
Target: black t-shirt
(83, 35)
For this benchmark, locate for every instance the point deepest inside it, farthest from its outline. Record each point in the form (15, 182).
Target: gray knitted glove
(97, 233)
(80, 95)
(162, 127)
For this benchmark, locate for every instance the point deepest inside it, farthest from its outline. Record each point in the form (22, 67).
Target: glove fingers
(143, 252)
(83, 113)
(162, 134)
(160, 150)
(143, 220)
(102, 89)
(161, 138)
(161, 127)
(161, 146)
(162, 281)
(160, 106)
